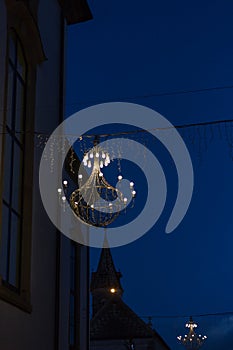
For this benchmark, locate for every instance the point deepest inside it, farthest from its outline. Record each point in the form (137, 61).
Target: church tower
(105, 282)
(114, 325)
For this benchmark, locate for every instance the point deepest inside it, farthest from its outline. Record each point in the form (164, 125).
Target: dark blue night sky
(131, 51)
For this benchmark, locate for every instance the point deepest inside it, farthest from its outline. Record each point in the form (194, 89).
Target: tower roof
(106, 276)
(116, 320)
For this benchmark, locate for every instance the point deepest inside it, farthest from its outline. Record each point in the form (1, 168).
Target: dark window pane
(21, 66)
(10, 249)
(7, 168)
(72, 335)
(19, 111)
(14, 251)
(72, 319)
(72, 266)
(10, 102)
(72, 294)
(4, 242)
(17, 178)
(12, 48)
(71, 307)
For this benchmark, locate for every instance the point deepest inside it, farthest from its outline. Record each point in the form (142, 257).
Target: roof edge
(75, 11)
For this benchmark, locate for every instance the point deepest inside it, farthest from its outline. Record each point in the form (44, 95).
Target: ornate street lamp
(192, 340)
(95, 201)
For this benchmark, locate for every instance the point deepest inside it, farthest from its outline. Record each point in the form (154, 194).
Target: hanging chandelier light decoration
(95, 201)
(192, 340)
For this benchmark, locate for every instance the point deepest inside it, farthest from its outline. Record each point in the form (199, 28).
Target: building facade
(43, 275)
(114, 325)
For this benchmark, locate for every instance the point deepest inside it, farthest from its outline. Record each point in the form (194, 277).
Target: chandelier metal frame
(192, 340)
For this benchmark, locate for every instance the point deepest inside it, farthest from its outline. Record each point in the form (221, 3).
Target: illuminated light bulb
(113, 290)
(91, 155)
(76, 203)
(101, 164)
(63, 198)
(97, 154)
(65, 182)
(85, 162)
(133, 193)
(80, 176)
(103, 155)
(110, 204)
(120, 177)
(92, 206)
(131, 184)
(89, 164)
(59, 190)
(101, 174)
(125, 200)
(106, 163)
(85, 157)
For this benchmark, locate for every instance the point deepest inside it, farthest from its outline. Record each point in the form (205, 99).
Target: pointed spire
(105, 282)
(106, 277)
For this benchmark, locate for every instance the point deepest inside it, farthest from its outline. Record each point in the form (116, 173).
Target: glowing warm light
(113, 290)
(83, 200)
(192, 340)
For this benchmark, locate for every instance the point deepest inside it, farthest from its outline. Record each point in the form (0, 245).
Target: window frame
(17, 81)
(21, 296)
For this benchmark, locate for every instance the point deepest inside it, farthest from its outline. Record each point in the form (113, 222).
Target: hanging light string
(131, 132)
(227, 313)
(151, 95)
(142, 96)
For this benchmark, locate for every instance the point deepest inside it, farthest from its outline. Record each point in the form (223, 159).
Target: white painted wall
(18, 329)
